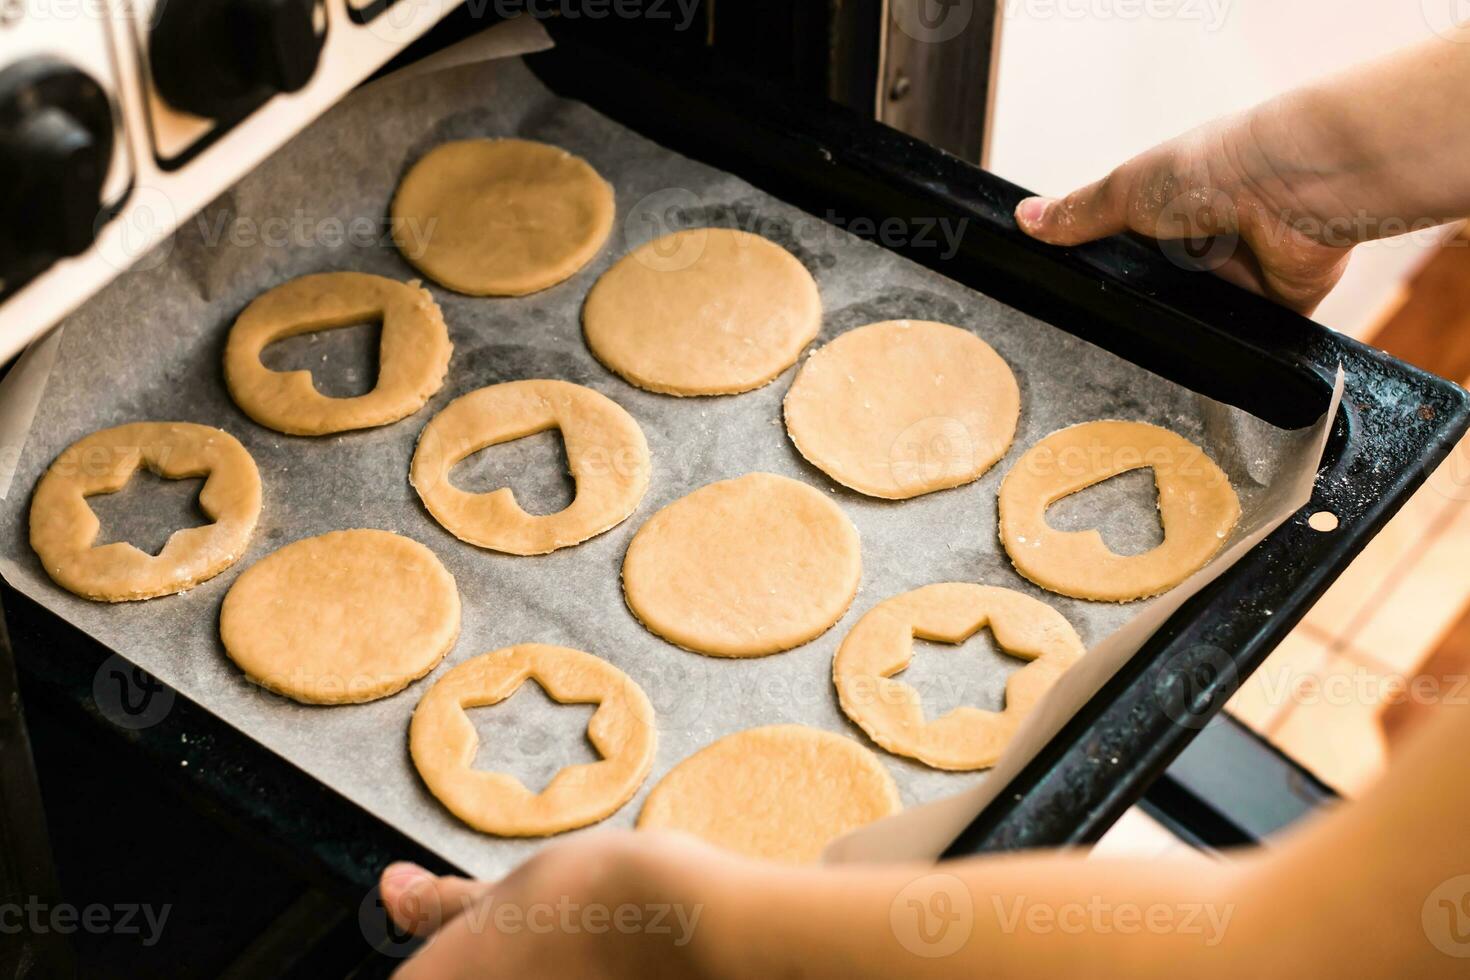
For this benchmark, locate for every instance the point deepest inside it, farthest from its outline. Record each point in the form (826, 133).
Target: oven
(120, 119)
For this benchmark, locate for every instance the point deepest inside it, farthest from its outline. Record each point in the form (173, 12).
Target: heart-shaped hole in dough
(343, 361)
(534, 467)
(1124, 510)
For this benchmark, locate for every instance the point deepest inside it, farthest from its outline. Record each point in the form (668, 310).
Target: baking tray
(1394, 426)
(822, 160)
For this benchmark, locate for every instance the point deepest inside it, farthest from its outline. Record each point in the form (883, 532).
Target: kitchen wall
(1082, 85)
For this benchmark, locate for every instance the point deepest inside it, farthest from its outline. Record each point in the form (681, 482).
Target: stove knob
(222, 58)
(56, 136)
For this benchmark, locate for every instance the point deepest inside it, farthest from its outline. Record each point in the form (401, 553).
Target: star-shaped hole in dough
(531, 736)
(148, 510)
(971, 673)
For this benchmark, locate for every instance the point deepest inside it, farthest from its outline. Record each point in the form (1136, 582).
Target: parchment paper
(149, 347)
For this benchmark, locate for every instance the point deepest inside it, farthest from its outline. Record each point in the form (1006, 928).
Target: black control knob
(56, 138)
(222, 58)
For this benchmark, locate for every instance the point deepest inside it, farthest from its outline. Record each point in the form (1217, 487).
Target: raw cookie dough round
(782, 792)
(743, 567)
(706, 311)
(341, 618)
(882, 644)
(1197, 507)
(63, 527)
(413, 352)
(903, 407)
(443, 742)
(606, 453)
(501, 217)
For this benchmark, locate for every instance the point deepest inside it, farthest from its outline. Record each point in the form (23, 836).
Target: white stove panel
(171, 163)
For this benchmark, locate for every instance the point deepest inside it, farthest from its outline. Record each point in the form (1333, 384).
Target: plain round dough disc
(881, 645)
(782, 792)
(64, 528)
(341, 618)
(743, 567)
(705, 311)
(904, 407)
(502, 217)
(1198, 509)
(413, 352)
(443, 742)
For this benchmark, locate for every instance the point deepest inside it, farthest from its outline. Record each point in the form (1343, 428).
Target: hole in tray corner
(1323, 520)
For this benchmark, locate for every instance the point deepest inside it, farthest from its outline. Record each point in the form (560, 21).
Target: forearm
(1385, 143)
(1024, 916)
(1343, 895)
